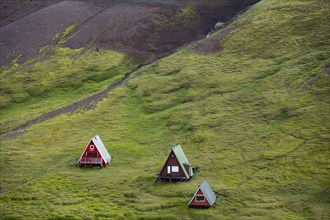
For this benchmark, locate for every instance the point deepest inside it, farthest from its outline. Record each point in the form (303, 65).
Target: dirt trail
(86, 103)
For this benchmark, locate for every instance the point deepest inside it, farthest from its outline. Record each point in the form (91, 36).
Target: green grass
(64, 77)
(254, 118)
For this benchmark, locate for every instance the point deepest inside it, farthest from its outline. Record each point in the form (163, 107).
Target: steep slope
(14, 10)
(58, 54)
(141, 29)
(253, 116)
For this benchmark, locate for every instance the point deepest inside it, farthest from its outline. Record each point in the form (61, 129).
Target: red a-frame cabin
(95, 154)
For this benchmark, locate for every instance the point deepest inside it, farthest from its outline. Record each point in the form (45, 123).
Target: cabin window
(88, 154)
(95, 154)
(200, 198)
(175, 169)
(168, 169)
(92, 147)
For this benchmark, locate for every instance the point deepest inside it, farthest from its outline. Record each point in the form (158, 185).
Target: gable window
(95, 154)
(92, 147)
(175, 169)
(88, 154)
(200, 198)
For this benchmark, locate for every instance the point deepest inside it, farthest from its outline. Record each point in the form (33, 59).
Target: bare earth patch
(212, 44)
(141, 29)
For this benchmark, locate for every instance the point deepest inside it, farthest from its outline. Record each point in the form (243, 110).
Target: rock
(219, 25)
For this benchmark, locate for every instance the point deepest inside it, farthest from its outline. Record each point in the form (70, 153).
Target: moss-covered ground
(57, 77)
(254, 118)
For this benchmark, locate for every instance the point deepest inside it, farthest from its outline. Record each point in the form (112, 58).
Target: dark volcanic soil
(142, 29)
(13, 10)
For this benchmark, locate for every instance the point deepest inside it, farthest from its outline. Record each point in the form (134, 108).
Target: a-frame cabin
(176, 168)
(204, 197)
(95, 154)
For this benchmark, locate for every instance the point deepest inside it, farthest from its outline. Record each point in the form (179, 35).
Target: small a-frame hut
(95, 154)
(204, 197)
(176, 168)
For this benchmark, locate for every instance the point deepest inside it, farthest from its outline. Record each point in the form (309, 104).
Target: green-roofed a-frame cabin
(176, 168)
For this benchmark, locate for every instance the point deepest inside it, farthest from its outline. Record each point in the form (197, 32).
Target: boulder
(219, 25)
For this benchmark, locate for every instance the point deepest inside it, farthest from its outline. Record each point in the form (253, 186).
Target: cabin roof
(180, 155)
(101, 148)
(208, 192)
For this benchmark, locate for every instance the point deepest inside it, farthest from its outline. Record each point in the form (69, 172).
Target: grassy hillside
(254, 117)
(55, 78)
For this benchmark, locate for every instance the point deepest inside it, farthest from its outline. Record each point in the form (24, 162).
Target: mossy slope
(56, 78)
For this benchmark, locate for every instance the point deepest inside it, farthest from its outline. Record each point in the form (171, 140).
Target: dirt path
(86, 103)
